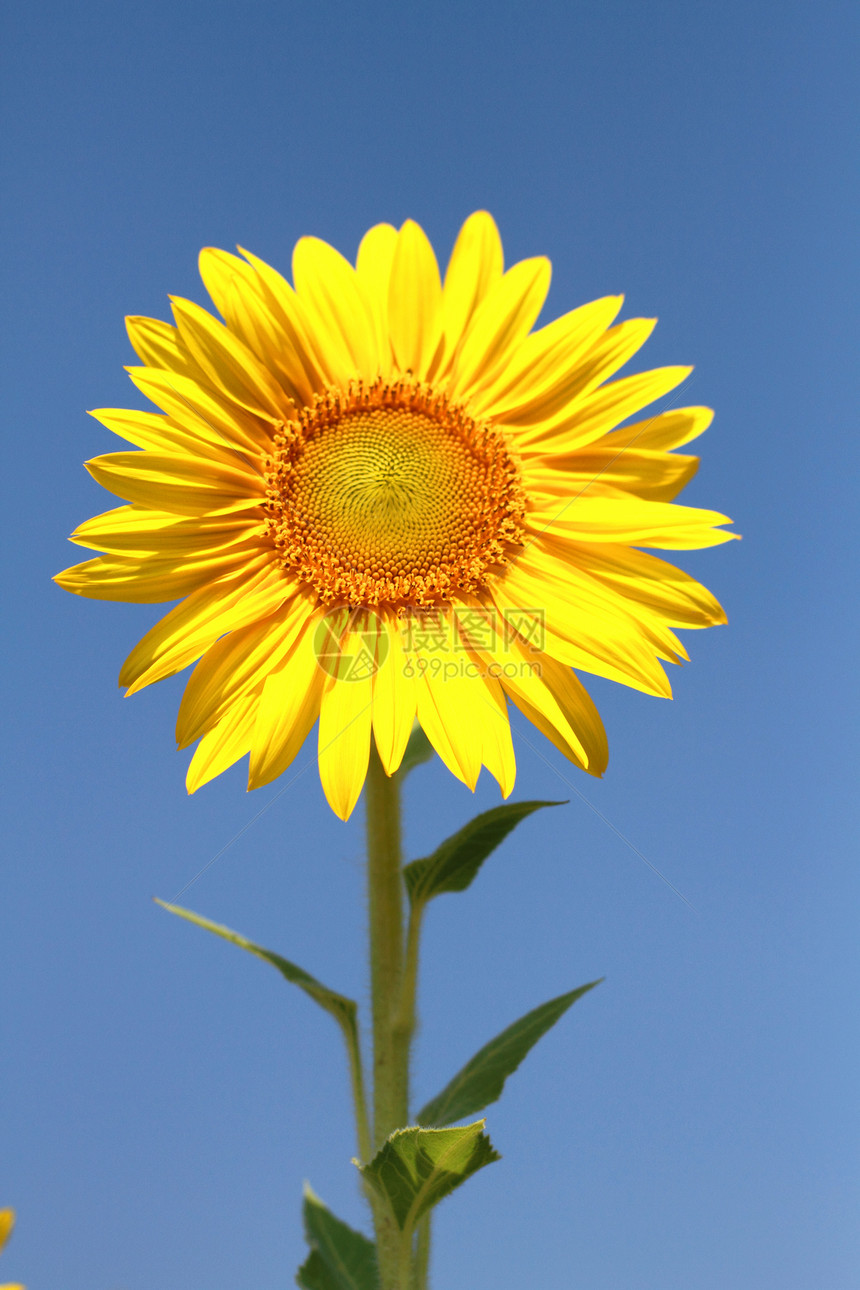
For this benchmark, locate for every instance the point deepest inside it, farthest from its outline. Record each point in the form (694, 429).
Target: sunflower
(380, 496)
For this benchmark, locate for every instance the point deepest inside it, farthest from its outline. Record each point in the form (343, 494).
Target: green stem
(422, 1255)
(390, 1053)
(405, 1269)
(404, 1021)
(385, 902)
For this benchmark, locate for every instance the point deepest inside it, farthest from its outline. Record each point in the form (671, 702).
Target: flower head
(379, 495)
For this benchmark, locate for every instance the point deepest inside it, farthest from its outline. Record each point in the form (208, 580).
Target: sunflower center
(389, 494)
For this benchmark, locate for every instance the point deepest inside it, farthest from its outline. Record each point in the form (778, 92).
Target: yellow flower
(380, 495)
(7, 1222)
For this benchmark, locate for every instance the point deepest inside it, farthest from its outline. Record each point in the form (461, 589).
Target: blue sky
(692, 1124)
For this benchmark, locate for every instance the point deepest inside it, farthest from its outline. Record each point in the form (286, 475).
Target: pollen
(388, 494)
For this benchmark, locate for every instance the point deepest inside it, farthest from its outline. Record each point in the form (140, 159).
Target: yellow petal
(163, 434)
(203, 412)
(183, 485)
(500, 323)
(291, 318)
(657, 476)
(600, 361)
(664, 590)
(591, 600)
(7, 1222)
(577, 707)
(136, 530)
(557, 734)
(593, 415)
(228, 363)
(545, 359)
(235, 664)
(520, 672)
(582, 634)
(262, 335)
(373, 266)
(475, 267)
(237, 292)
(470, 622)
(552, 697)
(157, 344)
(497, 749)
(345, 714)
(219, 270)
(449, 697)
(394, 700)
(288, 708)
(633, 521)
(571, 699)
(194, 625)
(149, 579)
(536, 718)
(444, 709)
(661, 432)
(414, 301)
(333, 296)
(223, 746)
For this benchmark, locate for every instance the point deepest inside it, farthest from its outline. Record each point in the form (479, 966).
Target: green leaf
(454, 864)
(416, 1168)
(342, 1009)
(314, 1274)
(418, 750)
(481, 1080)
(340, 1257)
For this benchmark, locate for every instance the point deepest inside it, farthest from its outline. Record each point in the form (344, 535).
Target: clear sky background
(693, 1123)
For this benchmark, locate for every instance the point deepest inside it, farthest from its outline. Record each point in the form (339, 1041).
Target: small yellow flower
(7, 1222)
(381, 495)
